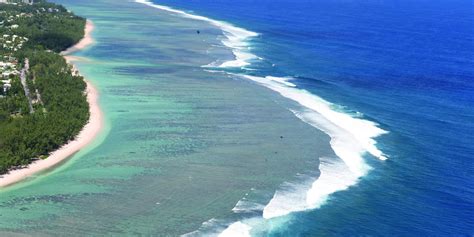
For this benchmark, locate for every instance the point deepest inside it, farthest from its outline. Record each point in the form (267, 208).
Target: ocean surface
(268, 118)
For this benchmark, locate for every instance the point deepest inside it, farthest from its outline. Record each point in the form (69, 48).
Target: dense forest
(47, 25)
(60, 108)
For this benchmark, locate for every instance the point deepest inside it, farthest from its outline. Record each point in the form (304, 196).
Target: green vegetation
(46, 25)
(60, 108)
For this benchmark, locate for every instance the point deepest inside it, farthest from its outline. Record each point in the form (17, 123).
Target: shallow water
(407, 65)
(181, 145)
(222, 150)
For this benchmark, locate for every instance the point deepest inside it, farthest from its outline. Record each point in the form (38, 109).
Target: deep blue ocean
(267, 118)
(407, 65)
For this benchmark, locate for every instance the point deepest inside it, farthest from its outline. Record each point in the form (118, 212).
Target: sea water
(280, 118)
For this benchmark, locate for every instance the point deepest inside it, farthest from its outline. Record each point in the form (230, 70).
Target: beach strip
(84, 138)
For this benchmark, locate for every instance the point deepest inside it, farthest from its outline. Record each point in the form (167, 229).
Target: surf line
(351, 137)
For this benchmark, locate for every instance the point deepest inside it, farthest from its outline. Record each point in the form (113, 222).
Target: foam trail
(244, 206)
(218, 228)
(294, 197)
(235, 37)
(236, 229)
(208, 228)
(351, 138)
(362, 131)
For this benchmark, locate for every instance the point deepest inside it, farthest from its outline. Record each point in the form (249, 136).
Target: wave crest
(235, 38)
(351, 139)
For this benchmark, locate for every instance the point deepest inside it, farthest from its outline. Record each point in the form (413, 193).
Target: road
(25, 85)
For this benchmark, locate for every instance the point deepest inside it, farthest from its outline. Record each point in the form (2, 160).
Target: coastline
(88, 133)
(83, 43)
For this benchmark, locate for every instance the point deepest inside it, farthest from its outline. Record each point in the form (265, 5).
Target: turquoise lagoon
(182, 145)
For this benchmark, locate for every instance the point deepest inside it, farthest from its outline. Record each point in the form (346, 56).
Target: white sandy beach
(85, 137)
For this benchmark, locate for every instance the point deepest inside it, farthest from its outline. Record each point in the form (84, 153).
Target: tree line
(25, 137)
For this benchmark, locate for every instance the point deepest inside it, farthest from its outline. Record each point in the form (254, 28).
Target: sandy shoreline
(86, 41)
(85, 137)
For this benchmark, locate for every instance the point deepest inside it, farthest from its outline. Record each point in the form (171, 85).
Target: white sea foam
(237, 229)
(244, 206)
(218, 228)
(235, 38)
(298, 196)
(331, 121)
(282, 80)
(208, 228)
(334, 177)
(351, 138)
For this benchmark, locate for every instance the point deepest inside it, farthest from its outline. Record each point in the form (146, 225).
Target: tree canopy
(63, 109)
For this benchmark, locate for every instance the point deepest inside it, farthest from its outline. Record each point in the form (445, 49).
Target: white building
(7, 84)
